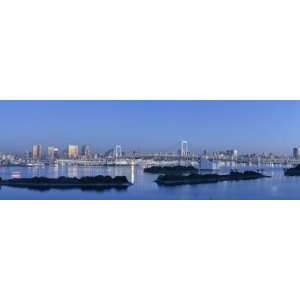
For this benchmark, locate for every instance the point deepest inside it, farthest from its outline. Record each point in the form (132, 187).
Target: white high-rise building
(73, 151)
(53, 152)
(86, 151)
(235, 153)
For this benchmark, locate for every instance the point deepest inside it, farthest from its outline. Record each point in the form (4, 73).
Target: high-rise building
(53, 152)
(86, 151)
(27, 154)
(72, 151)
(233, 153)
(118, 151)
(37, 151)
(184, 149)
(296, 153)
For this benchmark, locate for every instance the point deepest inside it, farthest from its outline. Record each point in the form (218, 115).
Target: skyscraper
(86, 151)
(53, 152)
(233, 153)
(37, 152)
(296, 153)
(184, 149)
(72, 151)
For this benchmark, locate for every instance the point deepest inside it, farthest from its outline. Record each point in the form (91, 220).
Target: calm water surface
(277, 187)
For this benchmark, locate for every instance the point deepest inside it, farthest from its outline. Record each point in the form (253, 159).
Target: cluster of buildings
(7, 159)
(84, 153)
(71, 152)
(227, 154)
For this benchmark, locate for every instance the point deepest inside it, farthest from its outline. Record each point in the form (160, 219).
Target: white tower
(118, 152)
(184, 149)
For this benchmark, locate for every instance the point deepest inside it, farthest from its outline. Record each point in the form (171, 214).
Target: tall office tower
(184, 149)
(56, 153)
(37, 152)
(73, 151)
(86, 151)
(118, 151)
(296, 153)
(53, 152)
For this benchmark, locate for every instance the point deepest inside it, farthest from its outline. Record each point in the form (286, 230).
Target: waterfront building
(86, 151)
(109, 153)
(296, 153)
(73, 151)
(232, 153)
(56, 153)
(207, 165)
(27, 155)
(37, 152)
(53, 152)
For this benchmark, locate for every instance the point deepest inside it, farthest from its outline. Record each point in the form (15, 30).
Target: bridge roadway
(263, 161)
(155, 159)
(128, 161)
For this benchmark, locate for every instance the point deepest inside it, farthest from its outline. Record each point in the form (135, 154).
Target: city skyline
(249, 126)
(75, 151)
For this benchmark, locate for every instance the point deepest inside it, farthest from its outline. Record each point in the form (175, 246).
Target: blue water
(144, 187)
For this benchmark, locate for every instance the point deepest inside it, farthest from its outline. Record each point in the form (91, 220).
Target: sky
(249, 126)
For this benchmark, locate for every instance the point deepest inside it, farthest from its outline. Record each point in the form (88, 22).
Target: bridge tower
(118, 151)
(184, 149)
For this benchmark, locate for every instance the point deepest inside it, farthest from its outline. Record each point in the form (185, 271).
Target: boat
(35, 165)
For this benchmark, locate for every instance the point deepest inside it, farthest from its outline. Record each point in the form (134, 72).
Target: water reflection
(55, 171)
(15, 174)
(132, 174)
(277, 187)
(72, 171)
(36, 171)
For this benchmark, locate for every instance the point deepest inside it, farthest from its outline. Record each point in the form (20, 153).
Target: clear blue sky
(250, 126)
